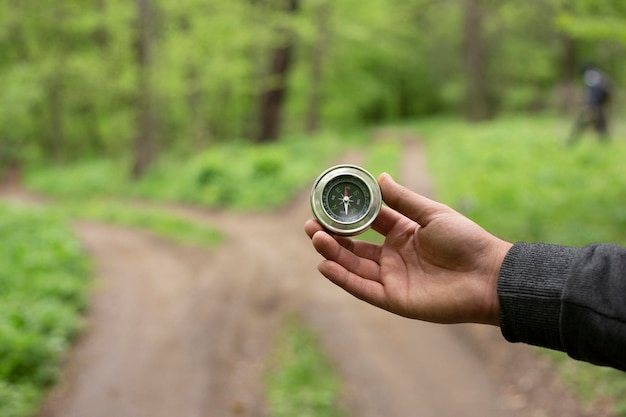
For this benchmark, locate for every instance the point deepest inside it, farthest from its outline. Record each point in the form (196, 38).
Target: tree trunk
(144, 146)
(56, 94)
(272, 98)
(568, 70)
(198, 131)
(96, 107)
(476, 106)
(317, 65)
(55, 103)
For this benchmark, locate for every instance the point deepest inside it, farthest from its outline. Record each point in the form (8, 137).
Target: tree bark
(317, 66)
(56, 96)
(476, 106)
(144, 143)
(55, 103)
(568, 71)
(273, 97)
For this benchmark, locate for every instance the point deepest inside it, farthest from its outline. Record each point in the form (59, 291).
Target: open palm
(434, 265)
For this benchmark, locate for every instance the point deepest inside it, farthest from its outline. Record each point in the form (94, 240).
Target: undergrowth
(301, 381)
(43, 282)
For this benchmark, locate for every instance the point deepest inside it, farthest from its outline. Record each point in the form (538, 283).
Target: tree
(273, 96)
(144, 143)
(318, 55)
(112, 77)
(477, 101)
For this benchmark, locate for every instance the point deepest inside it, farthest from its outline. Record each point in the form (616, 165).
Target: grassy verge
(302, 381)
(517, 179)
(43, 281)
(152, 219)
(236, 176)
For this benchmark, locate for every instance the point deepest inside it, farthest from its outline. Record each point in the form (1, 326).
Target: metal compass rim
(358, 175)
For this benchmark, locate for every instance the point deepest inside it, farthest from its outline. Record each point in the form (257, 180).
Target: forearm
(568, 299)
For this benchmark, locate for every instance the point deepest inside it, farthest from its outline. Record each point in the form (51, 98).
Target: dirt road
(182, 331)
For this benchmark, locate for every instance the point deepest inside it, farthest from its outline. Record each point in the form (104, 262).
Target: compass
(346, 199)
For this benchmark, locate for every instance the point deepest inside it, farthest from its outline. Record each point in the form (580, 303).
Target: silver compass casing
(353, 227)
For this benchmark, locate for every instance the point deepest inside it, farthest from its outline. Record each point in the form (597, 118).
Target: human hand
(434, 265)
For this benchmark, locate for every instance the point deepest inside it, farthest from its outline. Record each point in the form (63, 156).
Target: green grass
(516, 178)
(382, 157)
(593, 384)
(151, 218)
(43, 282)
(302, 381)
(235, 176)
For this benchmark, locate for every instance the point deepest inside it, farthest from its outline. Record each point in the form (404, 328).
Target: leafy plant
(43, 278)
(153, 219)
(517, 178)
(236, 176)
(302, 381)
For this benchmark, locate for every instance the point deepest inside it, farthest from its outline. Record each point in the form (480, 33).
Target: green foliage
(383, 156)
(593, 20)
(70, 75)
(83, 179)
(42, 291)
(516, 178)
(144, 216)
(302, 381)
(593, 383)
(236, 176)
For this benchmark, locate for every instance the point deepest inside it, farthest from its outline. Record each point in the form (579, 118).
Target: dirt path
(181, 331)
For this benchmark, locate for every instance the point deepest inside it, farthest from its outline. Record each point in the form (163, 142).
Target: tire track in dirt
(182, 331)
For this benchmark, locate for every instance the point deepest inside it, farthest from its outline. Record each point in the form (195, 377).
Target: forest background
(94, 93)
(148, 77)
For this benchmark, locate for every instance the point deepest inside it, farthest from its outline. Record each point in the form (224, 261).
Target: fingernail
(385, 174)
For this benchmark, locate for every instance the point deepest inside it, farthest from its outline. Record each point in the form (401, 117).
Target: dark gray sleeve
(568, 299)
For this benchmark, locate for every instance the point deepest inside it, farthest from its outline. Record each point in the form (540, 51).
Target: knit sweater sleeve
(568, 299)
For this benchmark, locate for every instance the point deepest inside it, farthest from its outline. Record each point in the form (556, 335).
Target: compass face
(346, 199)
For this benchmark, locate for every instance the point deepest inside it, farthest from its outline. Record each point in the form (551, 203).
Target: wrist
(501, 249)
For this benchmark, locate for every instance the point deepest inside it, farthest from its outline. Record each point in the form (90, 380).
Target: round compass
(346, 199)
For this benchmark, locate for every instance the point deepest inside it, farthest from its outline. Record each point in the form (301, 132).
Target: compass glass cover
(346, 199)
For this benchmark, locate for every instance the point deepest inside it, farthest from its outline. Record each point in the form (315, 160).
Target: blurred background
(145, 78)
(239, 104)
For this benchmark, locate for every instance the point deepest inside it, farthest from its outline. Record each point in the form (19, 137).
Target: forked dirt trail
(182, 331)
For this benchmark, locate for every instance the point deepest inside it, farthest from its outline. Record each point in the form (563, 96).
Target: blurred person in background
(598, 91)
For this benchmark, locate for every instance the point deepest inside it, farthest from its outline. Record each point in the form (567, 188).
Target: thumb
(414, 206)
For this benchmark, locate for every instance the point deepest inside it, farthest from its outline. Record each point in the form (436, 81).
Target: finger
(386, 220)
(330, 249)
(364, 289)
(311, 227)
(415, 206)
(360, 248)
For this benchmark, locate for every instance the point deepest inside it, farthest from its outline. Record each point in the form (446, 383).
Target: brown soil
(183, 331)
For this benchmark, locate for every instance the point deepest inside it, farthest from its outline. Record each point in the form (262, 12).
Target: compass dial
(346, 199)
